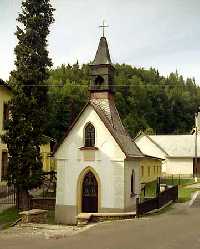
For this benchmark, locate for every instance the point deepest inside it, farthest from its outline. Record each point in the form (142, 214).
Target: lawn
(184, 194)
(8, 216)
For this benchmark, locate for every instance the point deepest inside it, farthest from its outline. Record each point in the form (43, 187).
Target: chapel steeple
(102, 70)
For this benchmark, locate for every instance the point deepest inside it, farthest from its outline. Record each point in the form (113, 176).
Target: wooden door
(90, 194)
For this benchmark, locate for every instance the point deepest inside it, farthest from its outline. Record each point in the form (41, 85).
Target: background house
(5, 96)
(177, 152)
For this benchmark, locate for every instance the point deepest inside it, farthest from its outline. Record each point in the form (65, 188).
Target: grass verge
(8, 216)
(184, 194)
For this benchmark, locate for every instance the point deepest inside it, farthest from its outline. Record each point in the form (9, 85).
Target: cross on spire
(103, 26)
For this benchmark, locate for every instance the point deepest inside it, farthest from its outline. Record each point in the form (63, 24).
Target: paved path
(196, 202)
(177, 229)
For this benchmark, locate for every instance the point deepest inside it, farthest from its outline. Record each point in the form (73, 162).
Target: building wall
(176, 166)
(179, 166)
(130, 198)
(150, 169)
(5, 96)
(107, 162)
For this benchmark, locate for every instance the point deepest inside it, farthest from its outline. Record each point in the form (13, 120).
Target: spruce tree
(28, 107)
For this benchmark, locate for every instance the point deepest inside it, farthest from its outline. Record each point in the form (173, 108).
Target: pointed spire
(102, 55)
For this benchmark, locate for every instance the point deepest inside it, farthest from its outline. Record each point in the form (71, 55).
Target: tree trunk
(23, 200)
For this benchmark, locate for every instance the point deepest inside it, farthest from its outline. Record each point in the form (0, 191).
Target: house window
(132, 183)
(4, 169)
(5, 114)
(142, 171)
(149, 171)
(89, 135)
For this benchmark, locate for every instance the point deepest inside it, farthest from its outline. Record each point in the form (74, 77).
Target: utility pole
(196, 156)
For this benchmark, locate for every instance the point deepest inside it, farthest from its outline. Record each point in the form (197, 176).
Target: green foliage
(66, 100)
(146, 101)
(28, 106)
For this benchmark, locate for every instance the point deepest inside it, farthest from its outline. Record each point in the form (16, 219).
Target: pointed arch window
(89, 135)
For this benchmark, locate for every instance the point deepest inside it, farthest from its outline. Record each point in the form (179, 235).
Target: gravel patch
(41, 231)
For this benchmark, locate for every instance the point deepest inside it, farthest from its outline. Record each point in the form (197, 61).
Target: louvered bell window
(89, 135)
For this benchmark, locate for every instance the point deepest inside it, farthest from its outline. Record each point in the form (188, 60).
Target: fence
(43, 203)
(7, 196)
(162, 198)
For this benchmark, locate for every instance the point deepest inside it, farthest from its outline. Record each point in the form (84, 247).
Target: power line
(76, 85)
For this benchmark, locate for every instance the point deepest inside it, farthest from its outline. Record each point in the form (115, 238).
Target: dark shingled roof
(108, 113)
(102, 55)
(2, 83)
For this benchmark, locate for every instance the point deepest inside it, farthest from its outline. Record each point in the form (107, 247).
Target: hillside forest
(145, 100)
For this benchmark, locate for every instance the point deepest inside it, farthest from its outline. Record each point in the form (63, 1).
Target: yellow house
(49, 164)
(150, 169)
(5, 96)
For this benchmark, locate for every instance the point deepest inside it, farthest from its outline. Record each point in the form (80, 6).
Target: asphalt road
(177, 229)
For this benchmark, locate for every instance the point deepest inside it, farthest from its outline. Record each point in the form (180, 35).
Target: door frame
(80, 188)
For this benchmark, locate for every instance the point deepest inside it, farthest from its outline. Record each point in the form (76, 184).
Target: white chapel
(98, 164)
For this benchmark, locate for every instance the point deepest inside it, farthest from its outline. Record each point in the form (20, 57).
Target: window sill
(88, 148)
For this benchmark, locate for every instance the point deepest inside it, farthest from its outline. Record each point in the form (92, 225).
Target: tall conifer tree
(28, 106)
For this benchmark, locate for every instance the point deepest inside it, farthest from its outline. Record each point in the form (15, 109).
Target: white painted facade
(179, 166)
(109, 164)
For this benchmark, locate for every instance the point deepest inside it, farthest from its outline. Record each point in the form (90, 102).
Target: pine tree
(25, 130)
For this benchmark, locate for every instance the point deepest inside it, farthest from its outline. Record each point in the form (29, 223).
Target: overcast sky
(164, 34)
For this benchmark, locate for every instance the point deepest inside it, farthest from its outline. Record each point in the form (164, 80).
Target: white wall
(179, 166)
(108, 164)
(130, 202)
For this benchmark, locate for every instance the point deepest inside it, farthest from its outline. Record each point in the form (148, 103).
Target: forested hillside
(145, 100)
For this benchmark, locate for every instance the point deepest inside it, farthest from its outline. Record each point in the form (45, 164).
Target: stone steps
(85, 218)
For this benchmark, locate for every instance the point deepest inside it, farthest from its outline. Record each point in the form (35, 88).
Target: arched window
(132, 183)
(89, 135)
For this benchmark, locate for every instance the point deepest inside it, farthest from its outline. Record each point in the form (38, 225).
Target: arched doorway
(89, 193)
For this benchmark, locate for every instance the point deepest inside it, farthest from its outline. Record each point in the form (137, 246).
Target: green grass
(150, 189)
(184, 194)
(8, 216)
